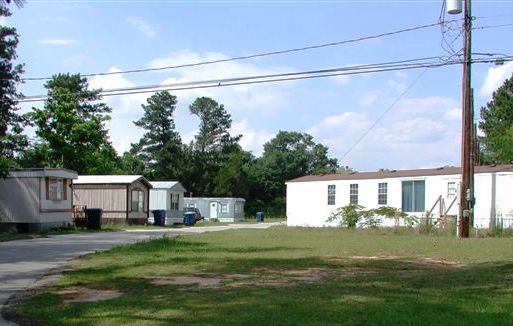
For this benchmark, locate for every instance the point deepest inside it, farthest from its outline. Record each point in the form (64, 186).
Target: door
(213, 209)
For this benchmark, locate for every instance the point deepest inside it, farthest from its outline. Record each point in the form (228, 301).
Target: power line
(252, 56)
(387, 66)
(390, 107)
(492, 26)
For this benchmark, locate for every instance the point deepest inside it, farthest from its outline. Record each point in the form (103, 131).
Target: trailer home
(221, 209)
(124, 199)
(312, 199)
(168, 196)
(36, 199)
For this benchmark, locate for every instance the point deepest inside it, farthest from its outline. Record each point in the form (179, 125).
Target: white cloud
(418, 132)
(3, 21)
(495, 78)
(58, 41)
(264, 97)
(142, 26)
(252, 140)
(343, 79)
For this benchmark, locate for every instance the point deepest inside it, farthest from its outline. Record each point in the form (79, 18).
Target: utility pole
(467, 166)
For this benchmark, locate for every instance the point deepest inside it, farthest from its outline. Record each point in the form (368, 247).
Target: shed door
(213, 209)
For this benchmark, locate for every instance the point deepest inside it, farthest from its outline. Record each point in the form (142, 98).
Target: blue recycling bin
(260, 216)
(159, 217)
(189, 219)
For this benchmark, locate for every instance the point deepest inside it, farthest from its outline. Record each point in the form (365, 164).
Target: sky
(396, 119)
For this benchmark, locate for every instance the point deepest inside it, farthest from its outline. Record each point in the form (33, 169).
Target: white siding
(307, 202)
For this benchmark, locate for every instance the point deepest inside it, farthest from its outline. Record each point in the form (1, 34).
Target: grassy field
(288, 276)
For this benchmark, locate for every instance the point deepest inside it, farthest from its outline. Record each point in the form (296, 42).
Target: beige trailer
(36, 199)
(124, 199)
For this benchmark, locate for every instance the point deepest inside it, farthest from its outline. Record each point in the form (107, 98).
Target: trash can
(189, 218)
(159, 217)
(94, 218)
(260, 216)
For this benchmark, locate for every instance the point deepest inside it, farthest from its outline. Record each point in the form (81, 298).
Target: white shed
(36, 199)
(167, 195)
(312, 199)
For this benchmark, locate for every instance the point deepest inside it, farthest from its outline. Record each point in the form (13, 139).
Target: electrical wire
(395, 65)
(252, 56)
(382, 115)
(492, 26)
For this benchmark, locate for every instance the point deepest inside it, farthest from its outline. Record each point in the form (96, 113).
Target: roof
(43, 172)
(171, 185)
(214, 198)
(111, 179)
(451, 170)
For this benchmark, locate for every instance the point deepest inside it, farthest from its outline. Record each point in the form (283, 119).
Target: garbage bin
(159, 217)
(189, 219)
(260, 216)
(94, 218)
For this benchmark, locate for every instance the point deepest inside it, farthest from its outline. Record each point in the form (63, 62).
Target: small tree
(349, 215)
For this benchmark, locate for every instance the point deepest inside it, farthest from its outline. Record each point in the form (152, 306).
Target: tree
(287, 156)
(11, 124)
(70, 128)
(160, 148)
(212, 145)
(233, 178)
(497, 126)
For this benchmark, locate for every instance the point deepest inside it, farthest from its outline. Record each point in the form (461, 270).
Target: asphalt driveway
(24, 262)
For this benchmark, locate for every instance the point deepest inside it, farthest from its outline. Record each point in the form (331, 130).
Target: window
(224, 208)
(353, 193)
(382, 193)
(137, 200)
(413, 196)
(331, 194)
(175, 199)
(451, 189)
(55, 189)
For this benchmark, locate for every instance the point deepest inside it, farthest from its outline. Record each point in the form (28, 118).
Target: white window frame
(451, 189)
(332, 194)
(55, 189)
(353, 193)
(224, 208)
(382, 193)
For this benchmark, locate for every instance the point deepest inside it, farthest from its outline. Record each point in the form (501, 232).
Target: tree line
(70, 133)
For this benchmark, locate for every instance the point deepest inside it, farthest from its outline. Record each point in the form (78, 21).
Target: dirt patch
(207, 282)
(78, 295)
(375, 257)
(429, 263)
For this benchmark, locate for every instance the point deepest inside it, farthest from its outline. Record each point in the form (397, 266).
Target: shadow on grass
(378, 292)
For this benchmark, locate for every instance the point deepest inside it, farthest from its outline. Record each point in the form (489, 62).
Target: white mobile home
(312, 199)
(168, 196)
(124, 199)
(223, 209)
(36, 199)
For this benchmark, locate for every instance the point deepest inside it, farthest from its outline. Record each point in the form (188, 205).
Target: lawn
(288, 276)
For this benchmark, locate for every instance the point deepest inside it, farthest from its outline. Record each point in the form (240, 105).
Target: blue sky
(421, 130)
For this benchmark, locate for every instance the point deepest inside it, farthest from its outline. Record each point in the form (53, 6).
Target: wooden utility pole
(467, 167)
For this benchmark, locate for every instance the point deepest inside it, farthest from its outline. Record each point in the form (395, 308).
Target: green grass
(392, 289)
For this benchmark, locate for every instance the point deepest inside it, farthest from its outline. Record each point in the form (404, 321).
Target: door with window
(213, 209)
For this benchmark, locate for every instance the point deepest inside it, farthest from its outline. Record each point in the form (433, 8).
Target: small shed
(36, 199)
(226, 209)
(168, 196)
(124, 199)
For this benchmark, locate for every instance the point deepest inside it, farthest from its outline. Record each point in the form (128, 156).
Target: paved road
(23, 262)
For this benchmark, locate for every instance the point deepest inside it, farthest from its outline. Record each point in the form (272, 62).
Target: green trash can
(94, 218)
(159, 217)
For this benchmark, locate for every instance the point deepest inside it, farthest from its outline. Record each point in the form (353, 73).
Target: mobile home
(222, 209)
(36, 199)
(312, 199)
(124, 199)
(168, 196)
